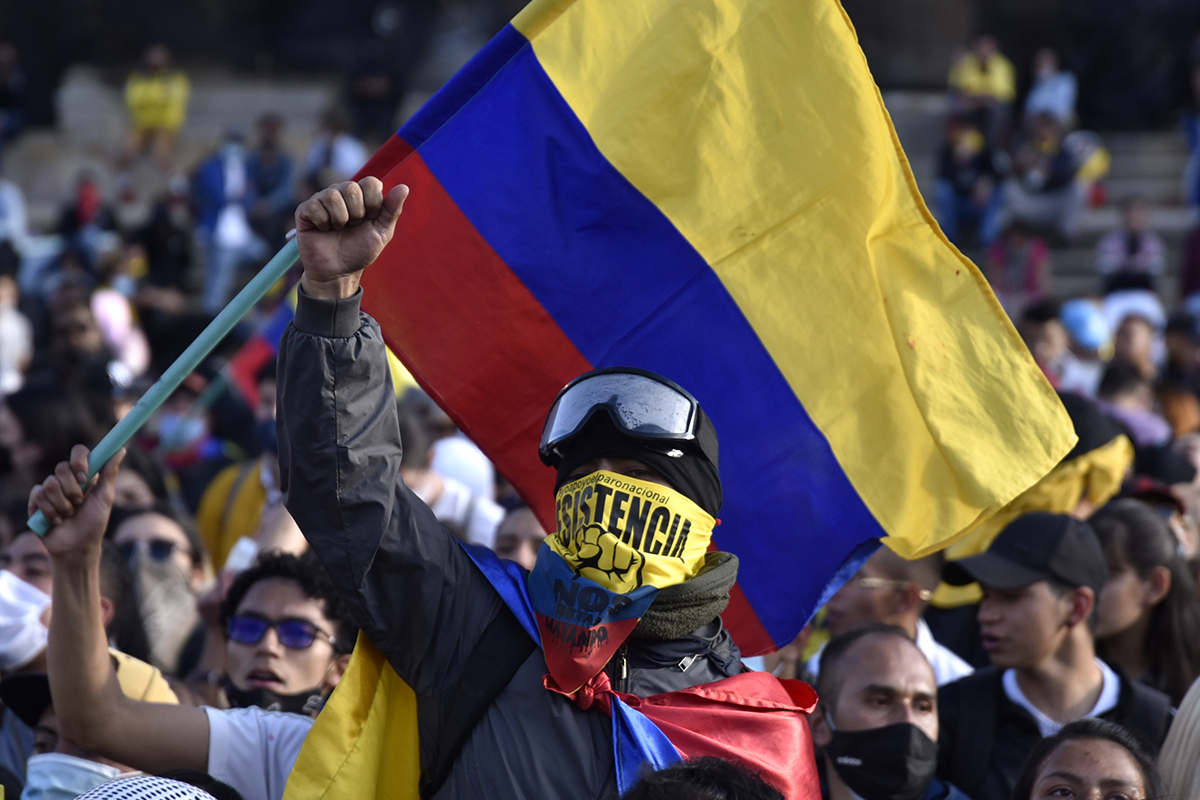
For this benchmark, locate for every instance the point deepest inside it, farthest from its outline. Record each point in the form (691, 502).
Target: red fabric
(741, 621)
(596, 692)
(437, 260)
(386, 158)
(87, 203)
(245, 366)
(575, 654)
(753, 718)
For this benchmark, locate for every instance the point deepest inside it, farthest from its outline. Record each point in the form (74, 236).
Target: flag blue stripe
(628, 289)
(465, 85)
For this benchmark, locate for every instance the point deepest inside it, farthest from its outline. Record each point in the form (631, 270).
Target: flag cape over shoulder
(715, 193)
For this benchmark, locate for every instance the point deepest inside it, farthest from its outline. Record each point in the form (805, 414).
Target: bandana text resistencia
(624, 533)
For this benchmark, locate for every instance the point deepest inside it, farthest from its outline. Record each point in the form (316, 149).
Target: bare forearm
(91, 708)
(82, 680)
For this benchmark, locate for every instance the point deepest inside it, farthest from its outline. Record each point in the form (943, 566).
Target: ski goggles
(294, 634)
(640, 403)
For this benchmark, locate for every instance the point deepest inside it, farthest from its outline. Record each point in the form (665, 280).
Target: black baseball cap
(1035, 547)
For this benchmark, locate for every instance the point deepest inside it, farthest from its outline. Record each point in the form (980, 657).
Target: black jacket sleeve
(409, 585)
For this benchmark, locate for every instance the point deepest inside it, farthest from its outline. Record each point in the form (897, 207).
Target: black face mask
(896, 762)
(307, 703)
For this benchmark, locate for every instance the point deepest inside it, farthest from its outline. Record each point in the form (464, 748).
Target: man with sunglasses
(288, 639)
(297, 667)
(625, 596)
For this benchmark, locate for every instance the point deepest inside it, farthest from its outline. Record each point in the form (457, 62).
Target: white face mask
(22, 634)
(55, 776)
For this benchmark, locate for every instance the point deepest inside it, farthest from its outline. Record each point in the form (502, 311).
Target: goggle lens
(639, 405)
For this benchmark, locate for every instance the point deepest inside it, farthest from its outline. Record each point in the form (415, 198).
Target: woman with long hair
(1149, 614)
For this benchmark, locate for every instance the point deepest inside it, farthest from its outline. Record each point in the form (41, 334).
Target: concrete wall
(911, 43)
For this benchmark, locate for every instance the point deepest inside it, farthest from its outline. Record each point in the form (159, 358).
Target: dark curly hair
(707, 778)
(308, 573)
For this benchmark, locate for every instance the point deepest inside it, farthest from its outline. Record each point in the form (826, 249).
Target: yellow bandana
(624, 533)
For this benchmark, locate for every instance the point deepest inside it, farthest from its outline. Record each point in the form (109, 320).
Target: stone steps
(1149, 165)
(46, 163)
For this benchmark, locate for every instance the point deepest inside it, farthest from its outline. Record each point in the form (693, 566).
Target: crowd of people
(191, 611)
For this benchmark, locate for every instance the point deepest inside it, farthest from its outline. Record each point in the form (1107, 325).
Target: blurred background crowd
(149, 164)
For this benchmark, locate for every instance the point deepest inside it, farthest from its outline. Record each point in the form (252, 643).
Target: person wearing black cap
(1040, 579)
(633, 453)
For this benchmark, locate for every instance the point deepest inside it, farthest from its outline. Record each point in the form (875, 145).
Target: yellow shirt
(157, 100)
(231, 508)
(998, 80)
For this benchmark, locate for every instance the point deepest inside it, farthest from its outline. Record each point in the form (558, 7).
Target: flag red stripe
(246, 364)
(748, 632)
(391, 153)
(500, 335)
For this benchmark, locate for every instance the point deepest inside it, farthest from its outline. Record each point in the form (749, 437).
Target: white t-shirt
(1110, 692)
(253, 750)
(947, 666)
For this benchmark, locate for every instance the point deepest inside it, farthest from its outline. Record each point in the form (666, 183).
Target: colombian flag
(714, 191)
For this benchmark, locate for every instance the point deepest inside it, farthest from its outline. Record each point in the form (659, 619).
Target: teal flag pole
(201, 404)
(196, 352)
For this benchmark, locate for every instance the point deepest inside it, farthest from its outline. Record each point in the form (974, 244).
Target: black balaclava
(691, 474)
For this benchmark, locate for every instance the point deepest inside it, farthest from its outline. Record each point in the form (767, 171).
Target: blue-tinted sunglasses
(295, 634)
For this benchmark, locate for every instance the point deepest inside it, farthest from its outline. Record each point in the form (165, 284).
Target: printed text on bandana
(624, 533)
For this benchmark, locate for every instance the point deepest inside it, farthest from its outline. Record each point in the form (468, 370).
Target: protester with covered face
(163, 552)
(625, 597)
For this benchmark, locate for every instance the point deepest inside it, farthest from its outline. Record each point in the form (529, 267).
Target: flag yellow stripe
(364, 743)
(757, 129)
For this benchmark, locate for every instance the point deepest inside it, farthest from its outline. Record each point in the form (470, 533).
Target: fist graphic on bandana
(602, 557)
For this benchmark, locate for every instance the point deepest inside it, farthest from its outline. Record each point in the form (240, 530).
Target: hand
(77, 515)
(341, 230)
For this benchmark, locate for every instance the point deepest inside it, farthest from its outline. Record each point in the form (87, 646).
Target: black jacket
(416, 594)
(985, 737)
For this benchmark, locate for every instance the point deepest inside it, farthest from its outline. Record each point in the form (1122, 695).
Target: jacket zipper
(623, 678)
